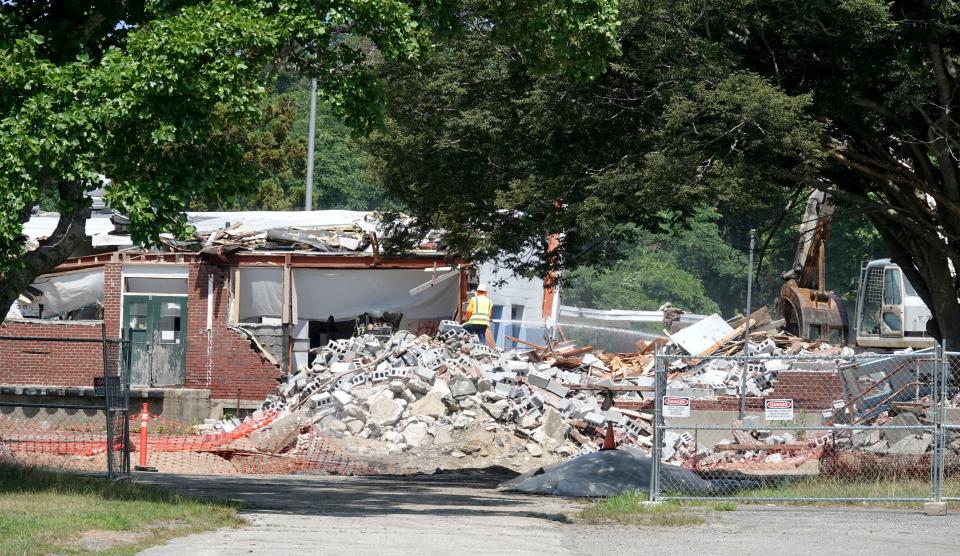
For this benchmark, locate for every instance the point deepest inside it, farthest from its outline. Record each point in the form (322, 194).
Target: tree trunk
(69, 234)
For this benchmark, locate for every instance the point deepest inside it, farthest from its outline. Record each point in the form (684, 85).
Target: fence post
(655, 454)
(108, 416)
(939, 401)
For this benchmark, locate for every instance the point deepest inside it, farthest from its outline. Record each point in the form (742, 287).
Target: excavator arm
(809, 310)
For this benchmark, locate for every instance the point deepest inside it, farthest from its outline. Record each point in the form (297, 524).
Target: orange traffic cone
(609, 440)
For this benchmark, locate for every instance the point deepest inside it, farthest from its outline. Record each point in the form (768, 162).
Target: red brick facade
(219, 359)
(810, 390)
(54, 363)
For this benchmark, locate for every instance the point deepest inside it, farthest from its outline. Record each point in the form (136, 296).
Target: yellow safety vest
(482, 308)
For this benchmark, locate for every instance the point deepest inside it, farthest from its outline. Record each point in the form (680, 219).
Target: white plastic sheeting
(260, 292)
(63, 293)
(616, 318)
(346, 294)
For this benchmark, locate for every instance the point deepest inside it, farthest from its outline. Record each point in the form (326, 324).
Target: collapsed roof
(319, 231)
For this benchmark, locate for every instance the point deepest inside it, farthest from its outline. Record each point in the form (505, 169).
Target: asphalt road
(466, 515)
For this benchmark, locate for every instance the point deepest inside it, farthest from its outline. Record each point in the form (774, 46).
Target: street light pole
(308, 205)
(746, 329)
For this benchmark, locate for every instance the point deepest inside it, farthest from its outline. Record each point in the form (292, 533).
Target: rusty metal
(813, 314)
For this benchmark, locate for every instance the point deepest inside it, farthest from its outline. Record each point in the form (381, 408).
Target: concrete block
(595, 418)
(342, 398)
(935, 508)
(538, 380)
(555, 387)
(503, 389)
(427, 375)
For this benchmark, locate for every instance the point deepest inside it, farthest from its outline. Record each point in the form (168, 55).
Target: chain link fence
(72, 428)
(836, 427)
(949, 435)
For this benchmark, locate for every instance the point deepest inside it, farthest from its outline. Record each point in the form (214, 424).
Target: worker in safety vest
(478, 314)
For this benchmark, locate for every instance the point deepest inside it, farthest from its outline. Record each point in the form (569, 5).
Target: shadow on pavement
(435, 495)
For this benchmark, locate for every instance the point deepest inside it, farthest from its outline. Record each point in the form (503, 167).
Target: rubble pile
(454, 402)
(237, 236)
(707, 363)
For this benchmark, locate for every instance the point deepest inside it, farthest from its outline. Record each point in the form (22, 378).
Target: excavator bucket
(812, 314)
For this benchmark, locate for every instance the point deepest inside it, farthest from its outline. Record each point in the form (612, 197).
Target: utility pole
(308, 205)
(746, 329)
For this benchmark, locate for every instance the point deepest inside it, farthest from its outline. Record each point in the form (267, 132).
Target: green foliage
(691, 267)
(737, 104)
(477, 145)
(275, 148)
(155, 95)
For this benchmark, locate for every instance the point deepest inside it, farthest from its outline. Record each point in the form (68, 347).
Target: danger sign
(676, 406)
(778, 410)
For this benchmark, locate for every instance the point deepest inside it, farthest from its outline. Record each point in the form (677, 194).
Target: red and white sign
(676, 406)
(778, 410)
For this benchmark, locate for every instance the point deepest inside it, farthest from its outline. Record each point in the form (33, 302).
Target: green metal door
(155, 325)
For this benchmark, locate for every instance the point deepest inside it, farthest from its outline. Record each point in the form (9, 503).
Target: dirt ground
(464, 514)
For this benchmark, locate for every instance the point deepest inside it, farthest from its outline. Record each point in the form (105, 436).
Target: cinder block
(557, 388)
(538, 380)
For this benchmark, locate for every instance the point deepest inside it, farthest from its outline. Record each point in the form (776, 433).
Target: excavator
(890, 313)
(808, 309)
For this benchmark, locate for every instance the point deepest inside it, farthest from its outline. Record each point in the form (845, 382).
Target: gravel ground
(464, 515)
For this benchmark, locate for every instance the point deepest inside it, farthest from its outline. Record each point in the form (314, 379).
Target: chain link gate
(845, 427)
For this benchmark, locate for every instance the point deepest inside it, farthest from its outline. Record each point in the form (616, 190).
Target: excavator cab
(890, 313)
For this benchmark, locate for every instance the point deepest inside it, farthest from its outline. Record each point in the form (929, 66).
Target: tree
(738, 103)
(692, 267)
(147, 93)
(276, 149)
(502, 159)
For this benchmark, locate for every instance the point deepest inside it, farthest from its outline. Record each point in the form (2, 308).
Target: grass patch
(820, 487)
(633, 508)
(45, 512)
(724, 506)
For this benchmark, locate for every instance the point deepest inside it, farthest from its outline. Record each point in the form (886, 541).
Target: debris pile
(453, 402)
(237, 236)
(707, 366)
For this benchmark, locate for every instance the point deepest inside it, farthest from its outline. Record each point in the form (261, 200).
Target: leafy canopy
(145, 92)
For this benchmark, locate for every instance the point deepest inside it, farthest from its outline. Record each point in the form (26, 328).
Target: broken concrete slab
(384, 409)
(892, 436)
(431, 405)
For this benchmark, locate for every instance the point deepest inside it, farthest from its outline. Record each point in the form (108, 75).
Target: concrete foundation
(185, 405)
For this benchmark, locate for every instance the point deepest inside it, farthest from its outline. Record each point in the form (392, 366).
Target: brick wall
(113, 296)
(55, 362)
(811, 390)
(221, 359)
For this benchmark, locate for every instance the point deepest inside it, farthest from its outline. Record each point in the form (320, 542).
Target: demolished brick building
(213, 323)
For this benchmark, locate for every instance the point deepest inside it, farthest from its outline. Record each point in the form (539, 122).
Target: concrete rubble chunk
(553, 425)
(418, 386)
(914, 444)
(431, 405)
(461, 386)
(384, 409)
(893, 436)
(415, 434)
